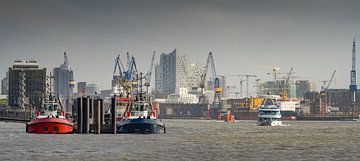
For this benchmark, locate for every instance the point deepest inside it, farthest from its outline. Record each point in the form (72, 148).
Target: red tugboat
(50, 119)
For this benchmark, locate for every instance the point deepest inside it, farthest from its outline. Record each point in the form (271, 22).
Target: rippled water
(191, 140)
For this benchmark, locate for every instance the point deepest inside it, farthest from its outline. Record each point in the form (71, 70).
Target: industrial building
(28, 80)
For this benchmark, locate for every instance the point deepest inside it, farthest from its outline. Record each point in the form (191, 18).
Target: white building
(182, 96)
(174, 71)
(92, 89)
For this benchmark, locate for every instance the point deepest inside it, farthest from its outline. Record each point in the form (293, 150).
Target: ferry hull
(269, 123)
(50, 126)
(141, 126)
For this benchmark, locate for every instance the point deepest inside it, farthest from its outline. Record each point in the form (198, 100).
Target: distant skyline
(247, 37)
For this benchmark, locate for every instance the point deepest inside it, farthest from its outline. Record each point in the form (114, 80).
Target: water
(191, 140)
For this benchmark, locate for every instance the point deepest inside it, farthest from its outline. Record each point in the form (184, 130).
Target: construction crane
(284, 91)
(148, 75)
(325, 86)
(323, 94)
(241, 81)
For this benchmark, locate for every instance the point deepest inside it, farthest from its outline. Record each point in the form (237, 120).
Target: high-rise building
(5, 85)
(175, 71)
(304, 86)
(81, 88)
(27, 79)
(296, 89)
(63, 79)
(64, 83)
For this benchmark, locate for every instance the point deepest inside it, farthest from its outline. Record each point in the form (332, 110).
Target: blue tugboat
(141, 119)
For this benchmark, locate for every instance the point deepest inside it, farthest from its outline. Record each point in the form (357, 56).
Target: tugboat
(50, 119)
(269, 113)
(140, 118)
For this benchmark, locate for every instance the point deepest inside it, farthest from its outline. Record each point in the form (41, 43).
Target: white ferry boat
(269, 113)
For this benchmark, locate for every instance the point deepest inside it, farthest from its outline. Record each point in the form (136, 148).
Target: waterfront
(191, 140)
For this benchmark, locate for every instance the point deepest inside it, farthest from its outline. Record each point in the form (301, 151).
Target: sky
(246, 36)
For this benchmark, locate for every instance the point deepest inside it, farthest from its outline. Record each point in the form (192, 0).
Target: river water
(191, 140)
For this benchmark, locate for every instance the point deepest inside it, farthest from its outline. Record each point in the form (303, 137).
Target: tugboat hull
(141, 126)
(50, 126)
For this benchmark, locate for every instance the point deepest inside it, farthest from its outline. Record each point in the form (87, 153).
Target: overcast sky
(246, 37)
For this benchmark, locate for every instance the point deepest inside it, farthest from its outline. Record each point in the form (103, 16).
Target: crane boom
(148, 75)
(117, 65)
(330, 81)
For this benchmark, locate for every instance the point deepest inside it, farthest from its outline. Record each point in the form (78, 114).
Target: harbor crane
(131, 70)
(213, 78)
(224, 113)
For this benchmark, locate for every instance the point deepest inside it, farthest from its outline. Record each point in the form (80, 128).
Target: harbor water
(191, 140)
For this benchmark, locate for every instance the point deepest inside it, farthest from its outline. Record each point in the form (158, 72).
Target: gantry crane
(131, 70)
(124, 77)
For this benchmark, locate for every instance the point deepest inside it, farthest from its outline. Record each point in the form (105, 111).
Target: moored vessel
(140, 118)
(50, 119)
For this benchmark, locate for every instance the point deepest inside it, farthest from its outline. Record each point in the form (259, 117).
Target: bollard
(91, 109)
(79, 115)
(98, 118)
(85, 115)
(113, 115)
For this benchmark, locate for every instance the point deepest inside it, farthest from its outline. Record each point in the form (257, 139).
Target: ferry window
(55, 107)
(50, 108)
(141, 107)
(45, 107)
